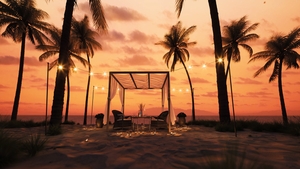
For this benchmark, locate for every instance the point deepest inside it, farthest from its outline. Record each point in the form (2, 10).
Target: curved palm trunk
(68, 99)
(192, 91)
(14, 113)
(282, 103)
(224, 114)
(229, 54)
(58, 98)
(87, 93)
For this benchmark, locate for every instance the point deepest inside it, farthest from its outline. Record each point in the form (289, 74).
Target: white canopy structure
(139, 80)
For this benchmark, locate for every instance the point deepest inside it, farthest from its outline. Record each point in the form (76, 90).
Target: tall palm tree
(52, 49)
(83, 38)
(23, 21)
(177, 43)
(224, 114)
(237, 34)
(280, 50)
(100, 24)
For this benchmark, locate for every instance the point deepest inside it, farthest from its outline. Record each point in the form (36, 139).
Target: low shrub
(33, 144)
(9, 148)
(233, 156)
(54, 130)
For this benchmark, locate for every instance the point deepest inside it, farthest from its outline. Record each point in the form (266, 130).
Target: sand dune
(187, 147)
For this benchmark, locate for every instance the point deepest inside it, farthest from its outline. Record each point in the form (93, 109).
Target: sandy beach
(87, 147)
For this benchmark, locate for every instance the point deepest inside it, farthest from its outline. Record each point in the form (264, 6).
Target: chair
(160, 122)
(121, 121)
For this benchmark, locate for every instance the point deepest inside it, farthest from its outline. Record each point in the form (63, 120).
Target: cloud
(141, 50)
(296, 19)
(3, 41)
(10, 60)
(201, 52)
(136, 60)
(210, 94)
(258, 94)
(115, 13)
(113, 36)
(247, 81)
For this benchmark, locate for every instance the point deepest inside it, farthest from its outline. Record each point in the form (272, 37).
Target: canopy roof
(141, 79)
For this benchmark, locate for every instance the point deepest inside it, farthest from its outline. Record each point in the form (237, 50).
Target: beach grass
(13, 148)
(9, 148)
(234, 157)
(293, 128)
(33, 144)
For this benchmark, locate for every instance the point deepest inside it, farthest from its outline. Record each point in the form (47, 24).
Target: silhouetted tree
(234, 35)
(23, 21)
(52, 49)
(176, 41)
(224, 114)
(83, 38)
(100, 24)
(280, 50)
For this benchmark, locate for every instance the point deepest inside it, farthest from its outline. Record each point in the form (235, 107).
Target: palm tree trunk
(14, 113)
(229, 54)
(59, 90)
(68, 99)
(192, 91)
(87, 93)
(282, 103)
(224, 114)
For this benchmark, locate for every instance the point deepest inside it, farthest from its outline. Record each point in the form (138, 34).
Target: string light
(60, 67)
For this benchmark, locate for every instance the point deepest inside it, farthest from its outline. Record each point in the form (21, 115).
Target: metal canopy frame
(139, 80)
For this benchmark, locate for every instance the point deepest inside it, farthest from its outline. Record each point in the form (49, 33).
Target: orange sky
(134, 27)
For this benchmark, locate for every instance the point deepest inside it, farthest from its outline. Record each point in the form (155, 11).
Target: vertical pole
(169, 102)
(47, 84)
(92, 104)
(234, 125)
(108, 102)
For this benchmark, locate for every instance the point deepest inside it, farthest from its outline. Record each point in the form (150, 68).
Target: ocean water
(79, 119)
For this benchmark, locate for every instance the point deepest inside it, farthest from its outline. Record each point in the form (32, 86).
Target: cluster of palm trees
(24, 20)
(280, 50)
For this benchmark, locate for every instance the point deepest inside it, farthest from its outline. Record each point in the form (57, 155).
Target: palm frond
(179, 5)
(247, 48)
(47, 54)
(98, 15)
(265, 67)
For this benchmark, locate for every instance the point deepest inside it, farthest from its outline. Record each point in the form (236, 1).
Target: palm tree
(84, 40)
(23, 21)
(100, 24)
(235, 35)
(177, 43)
(224, 114)
(53, 49)
(280, 50)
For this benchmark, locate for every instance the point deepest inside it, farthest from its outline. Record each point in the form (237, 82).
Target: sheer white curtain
(121, 94)
(112, 90)
(171, 112)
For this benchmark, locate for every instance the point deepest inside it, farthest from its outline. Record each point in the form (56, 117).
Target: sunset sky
(134, 27)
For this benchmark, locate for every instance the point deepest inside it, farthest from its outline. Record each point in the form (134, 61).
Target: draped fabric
(163, 97)
(113, 90)
(171, 110)
(121, 95)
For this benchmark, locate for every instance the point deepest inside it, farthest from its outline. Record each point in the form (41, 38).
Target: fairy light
(220, 60)
(60, 67)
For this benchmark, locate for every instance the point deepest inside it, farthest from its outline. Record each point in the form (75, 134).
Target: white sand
(189, 147)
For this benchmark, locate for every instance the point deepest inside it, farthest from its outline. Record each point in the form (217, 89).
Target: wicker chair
(121, 121)
(160, 122)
